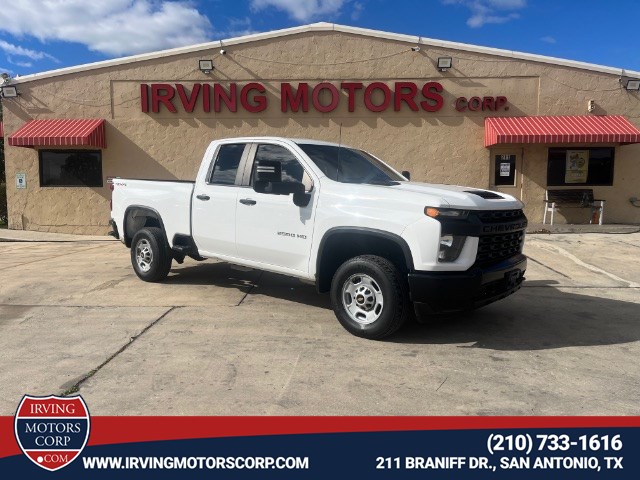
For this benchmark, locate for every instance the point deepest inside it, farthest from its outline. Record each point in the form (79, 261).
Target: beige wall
(444, 146)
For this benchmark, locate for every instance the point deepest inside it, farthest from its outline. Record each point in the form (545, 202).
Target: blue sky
(39, 35)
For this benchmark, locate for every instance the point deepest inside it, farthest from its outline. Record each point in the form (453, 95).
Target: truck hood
(456, 196)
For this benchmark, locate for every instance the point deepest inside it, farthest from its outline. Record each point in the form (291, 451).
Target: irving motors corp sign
(323, 97)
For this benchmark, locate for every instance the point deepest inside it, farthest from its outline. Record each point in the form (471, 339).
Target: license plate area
(512, 278)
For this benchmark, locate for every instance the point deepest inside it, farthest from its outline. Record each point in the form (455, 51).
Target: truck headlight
(445, 213)
(450, 247)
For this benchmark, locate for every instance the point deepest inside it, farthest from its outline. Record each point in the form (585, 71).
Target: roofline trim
(325, 27)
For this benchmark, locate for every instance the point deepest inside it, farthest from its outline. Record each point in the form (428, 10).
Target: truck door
(215, 201)
(270, 229)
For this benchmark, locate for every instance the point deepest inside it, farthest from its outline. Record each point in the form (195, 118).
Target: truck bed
(171, 199)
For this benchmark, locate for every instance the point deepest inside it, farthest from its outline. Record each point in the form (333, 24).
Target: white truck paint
(349, 205)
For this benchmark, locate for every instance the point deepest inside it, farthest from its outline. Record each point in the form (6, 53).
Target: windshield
(348, 165)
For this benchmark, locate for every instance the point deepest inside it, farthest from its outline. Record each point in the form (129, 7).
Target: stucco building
(487, 118)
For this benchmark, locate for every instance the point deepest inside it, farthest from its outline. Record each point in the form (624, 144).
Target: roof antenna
(339, 148)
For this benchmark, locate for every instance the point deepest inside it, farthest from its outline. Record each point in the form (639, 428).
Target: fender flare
(142, 208)
(365, 231)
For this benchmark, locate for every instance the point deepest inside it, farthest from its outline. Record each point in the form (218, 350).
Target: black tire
(158, 265)
(395, 305)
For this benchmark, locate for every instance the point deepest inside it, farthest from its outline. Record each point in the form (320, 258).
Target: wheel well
(338, 247)
(137, 218)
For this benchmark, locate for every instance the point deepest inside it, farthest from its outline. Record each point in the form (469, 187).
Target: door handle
(247, 201)
(203, 197)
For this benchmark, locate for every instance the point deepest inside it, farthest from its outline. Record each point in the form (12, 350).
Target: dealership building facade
(449, 113)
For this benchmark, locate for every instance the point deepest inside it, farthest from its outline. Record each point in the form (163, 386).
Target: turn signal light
(445, 212)
(431, 212)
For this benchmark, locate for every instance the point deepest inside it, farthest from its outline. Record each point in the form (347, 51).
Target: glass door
(506, 171)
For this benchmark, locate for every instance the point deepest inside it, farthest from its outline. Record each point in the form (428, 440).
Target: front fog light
(450, 247)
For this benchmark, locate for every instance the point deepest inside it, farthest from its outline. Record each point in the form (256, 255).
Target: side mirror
(300, 197)
(267, 178)
(406, 174)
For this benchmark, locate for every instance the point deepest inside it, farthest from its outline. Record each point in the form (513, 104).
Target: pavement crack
(76, 387)
(447, 378)
(109, 284)
(253, 285)
(548, 267)
(50, 257)
(554, 248)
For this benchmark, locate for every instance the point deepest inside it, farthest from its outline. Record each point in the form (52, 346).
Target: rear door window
(226, 164)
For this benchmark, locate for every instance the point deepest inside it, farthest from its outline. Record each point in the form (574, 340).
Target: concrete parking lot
(214, 340)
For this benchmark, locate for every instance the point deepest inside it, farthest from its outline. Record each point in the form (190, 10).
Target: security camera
(223, 52)
(415, 49)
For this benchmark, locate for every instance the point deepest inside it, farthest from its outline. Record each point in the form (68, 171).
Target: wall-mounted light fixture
(444, 63)
(632, 85)
(9, 92)
(206, 66)
(5, 78)
(415, 49)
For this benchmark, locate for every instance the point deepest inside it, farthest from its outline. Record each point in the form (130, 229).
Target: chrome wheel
(362, 299)
(144, 255)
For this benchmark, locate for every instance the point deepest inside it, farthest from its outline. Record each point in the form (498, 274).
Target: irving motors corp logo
(52, 431)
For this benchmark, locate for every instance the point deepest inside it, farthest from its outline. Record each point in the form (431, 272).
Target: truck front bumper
(443, 292)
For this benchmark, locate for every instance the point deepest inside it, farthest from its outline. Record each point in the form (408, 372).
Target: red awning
(60, 133)
(561, 129)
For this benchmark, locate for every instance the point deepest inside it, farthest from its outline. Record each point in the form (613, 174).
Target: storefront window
(70, 168)
(580, 166)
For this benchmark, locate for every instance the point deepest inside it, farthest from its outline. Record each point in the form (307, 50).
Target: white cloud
(302, 10)
(17, 50)
(489, 11)
(548, 39)
(237, 27)
(357, 11)
(113, 27)
(19, 63)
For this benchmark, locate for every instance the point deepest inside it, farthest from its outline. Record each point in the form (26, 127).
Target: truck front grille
(492, 248)
(493, 216)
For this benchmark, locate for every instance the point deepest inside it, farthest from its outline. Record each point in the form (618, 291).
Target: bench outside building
(573, 198)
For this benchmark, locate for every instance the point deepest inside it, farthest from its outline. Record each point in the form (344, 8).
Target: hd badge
(52, 431)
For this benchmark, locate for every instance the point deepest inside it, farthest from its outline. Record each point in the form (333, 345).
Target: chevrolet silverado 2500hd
(381, 245)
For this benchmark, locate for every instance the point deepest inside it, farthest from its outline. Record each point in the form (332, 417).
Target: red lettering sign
(333, 103)
(431, 91)
(162, 93)
(351, 88)
(401, 95)
(144, 97)
(324, 97)
(476, 104)
(188, 103)
(230, 98)
(288, 99)
(253, 103)
(368, 94)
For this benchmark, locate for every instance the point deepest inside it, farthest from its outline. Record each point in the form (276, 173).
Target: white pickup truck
(383, 246)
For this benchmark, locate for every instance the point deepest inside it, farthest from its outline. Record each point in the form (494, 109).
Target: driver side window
(292, 170)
